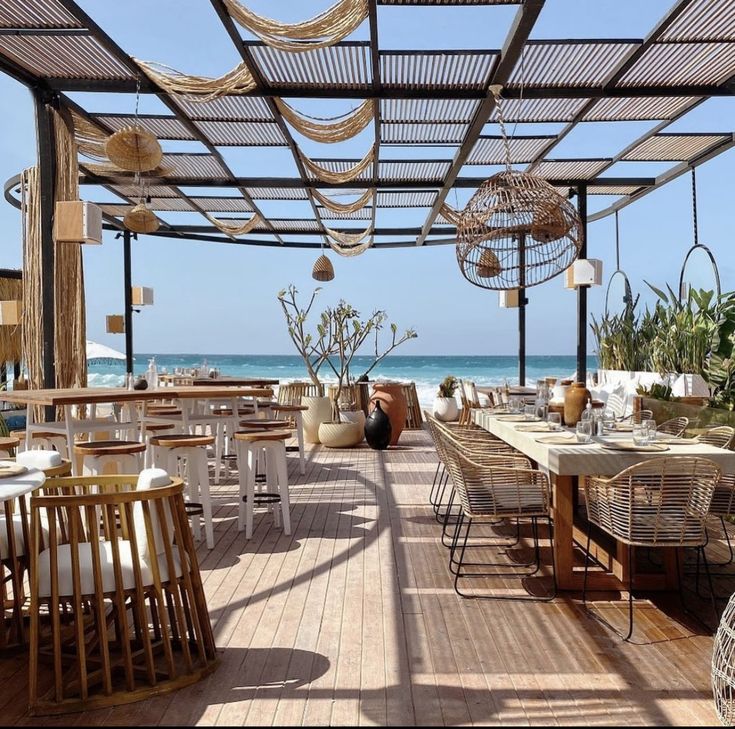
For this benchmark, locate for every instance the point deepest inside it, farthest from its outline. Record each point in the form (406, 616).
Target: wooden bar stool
(41, 439)
(294, 412)
(50, 462)
(96, 454)
(224, 428)
(270, 445)
(8, 445)
(150, 430)
(179, 452)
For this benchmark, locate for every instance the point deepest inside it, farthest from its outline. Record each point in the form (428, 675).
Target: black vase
(378, 429)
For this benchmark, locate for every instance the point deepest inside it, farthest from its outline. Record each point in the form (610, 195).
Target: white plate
(624, 445)
(568, 440)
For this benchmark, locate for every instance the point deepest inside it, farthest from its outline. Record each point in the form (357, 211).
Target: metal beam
(522, 25)
(128, 284)
(377, 88)
(582, 292)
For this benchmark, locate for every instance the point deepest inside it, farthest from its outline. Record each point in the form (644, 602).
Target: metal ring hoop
(627, 297)
(715, 269)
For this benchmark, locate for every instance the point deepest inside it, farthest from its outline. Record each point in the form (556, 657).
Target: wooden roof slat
(226, 108)
(164, 127)
(638, 109)
(431, 111)
(528, 111)
(365, 213)
(406, 198)
(704, 20)
(580, 169)
(437, 69)
(490, 150)
(222, 204)
(132, 191)
(417, 170)
(36, 14)
(242, 134)
(674, 147)
(428, 133)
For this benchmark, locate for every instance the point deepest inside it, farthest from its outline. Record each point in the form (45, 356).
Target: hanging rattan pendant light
(517, 230)
(134, 149)
(323, 269)
(141, 219)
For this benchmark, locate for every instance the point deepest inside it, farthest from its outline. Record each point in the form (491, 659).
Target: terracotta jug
(393, 403)
(575, 401)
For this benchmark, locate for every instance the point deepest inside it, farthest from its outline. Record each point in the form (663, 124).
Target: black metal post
(46, 150)
(582, 292)
(522, 311)
(127, 274)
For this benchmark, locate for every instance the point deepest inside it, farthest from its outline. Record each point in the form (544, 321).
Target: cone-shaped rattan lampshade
(323, 269)
(134, 149)
(516, 231)
(141, 219)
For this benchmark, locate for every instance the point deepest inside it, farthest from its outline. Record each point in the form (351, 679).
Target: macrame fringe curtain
(90, 139)
(336, 207)
(325, 175)
(326, 29)
(199, 88)
(32, 336)
(328, 131)
(11, 346)
(233, 228)
(349, 244)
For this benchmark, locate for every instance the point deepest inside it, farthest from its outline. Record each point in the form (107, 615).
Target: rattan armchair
(720, 436)
(637, 417)
(493, 487)
(673, 426)
(661, 502)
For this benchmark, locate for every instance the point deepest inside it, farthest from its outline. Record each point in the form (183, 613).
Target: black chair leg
(630, 594)
(432, 494)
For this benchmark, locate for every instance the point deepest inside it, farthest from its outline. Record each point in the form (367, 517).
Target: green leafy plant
(658, 391)
(448, 386)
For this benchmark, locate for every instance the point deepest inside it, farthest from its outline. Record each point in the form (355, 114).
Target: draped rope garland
(329, 176)
(199, 88)
(232, 228)
(330, 130)
(336, 207)
(326, 29)
(349, 244)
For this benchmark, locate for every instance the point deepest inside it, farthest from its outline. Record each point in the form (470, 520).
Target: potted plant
(445, 403)
(318, 407)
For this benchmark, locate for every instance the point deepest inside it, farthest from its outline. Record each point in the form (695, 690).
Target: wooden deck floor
(353, 620)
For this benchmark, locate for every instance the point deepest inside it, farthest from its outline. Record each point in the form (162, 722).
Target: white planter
(340, 435)
(318, 411)
(445, 409)
(353, 416)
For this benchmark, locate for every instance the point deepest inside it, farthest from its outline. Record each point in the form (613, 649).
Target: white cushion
(20, 544)
(152, 478)
(39, 459)
(149, 479)
(86, 574)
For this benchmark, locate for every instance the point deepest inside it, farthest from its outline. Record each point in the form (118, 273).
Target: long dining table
(566, 465)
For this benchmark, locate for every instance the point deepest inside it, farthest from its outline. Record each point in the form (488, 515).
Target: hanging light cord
(694, 206)
(496, 89)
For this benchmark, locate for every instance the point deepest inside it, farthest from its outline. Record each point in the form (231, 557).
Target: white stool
(294, 412)
(150, 430)
(96, 454)
(269, 445)
(169, 451)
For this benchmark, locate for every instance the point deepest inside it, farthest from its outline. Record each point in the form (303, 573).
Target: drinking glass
(554, 420)
(584, 431)
(651, 425)
(608, 420)
(529, 412)
(640, 435)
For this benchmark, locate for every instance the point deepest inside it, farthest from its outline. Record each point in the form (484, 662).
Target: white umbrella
(101, 354)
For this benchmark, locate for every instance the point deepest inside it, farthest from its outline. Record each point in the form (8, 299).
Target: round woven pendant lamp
(516, 231)
(323, 269)
(134, 149)
(141, 219)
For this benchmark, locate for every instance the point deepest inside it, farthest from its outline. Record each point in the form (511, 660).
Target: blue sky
(214, 298)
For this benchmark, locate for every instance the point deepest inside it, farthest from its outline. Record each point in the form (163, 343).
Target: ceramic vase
(354, 416)
(393, 403)
(378, 428)
(445, 409)
(575, 401)
(318, 411)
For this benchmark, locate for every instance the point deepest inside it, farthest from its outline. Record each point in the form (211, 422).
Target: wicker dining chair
(637, 417)
(673, 426)
(721, 436)
(502, 486)
(661, 502)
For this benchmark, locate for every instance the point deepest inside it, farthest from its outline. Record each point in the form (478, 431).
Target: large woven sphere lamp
(141, 219)
(323, 269)
(134, 149)
(516, 231)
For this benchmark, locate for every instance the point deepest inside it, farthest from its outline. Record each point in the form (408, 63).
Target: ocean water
(426, 371)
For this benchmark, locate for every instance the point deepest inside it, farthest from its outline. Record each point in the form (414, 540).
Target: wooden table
(68, 398)
(234, 382)
(565, 465)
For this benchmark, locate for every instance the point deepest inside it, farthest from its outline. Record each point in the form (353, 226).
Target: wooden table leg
(563, 531)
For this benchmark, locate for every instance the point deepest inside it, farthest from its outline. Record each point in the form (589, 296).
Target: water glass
(640, 435)
(529, 412)
(651, 425)
(584, 431)
(554, 420)
(608, 420)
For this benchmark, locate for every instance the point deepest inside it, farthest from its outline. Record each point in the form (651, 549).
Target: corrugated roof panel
(361, 214)
(63, 56)
(223, 204)
(428, 110)
(674, 147)
(133, 191)
(682, 64)
(227, 108)
(170, 204)
(345, 65)
(164, 127)
(612, 190)
(411, 169)
(277, 193)
(539, 110)
(437, 69)
(491, 150)
(571, 169)
(36, 14)
(406, 198)
(587, 63)
(704, 20)
(242, 134)
(292, 225)
(429, 133)
(204, 166)
(639, 108)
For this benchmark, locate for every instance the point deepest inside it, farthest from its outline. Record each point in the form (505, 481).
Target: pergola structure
(419, 98)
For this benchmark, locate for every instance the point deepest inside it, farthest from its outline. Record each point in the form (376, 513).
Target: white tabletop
(13, 487)
(591, 458)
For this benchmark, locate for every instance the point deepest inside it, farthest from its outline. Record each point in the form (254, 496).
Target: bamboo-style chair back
(290, 393)
(119, 561)
(720, 436)
(661, 502)
(638, 416)
(673, 426)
